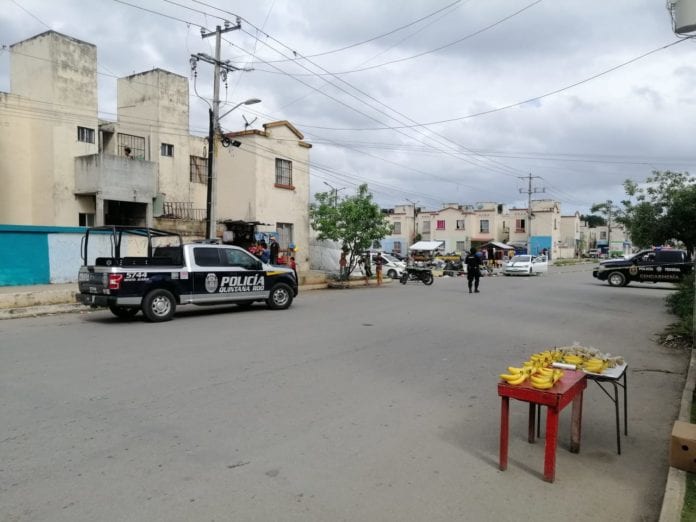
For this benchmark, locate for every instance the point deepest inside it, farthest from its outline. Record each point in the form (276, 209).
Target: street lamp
(250, 101)
(213, 127)
(335, 192)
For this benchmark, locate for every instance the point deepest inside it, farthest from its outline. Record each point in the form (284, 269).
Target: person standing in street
(366, 267)
(379, 261)
(473, 270)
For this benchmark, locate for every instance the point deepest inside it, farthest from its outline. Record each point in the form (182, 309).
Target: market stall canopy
(426, 245)
(495, 244)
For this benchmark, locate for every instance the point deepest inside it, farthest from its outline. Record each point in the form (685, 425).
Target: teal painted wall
(34, 255)
(24, 259)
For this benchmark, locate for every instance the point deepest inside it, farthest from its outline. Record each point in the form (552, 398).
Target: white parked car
(391, 267)
(526, 265)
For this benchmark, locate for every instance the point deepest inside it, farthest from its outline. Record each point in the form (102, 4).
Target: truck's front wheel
(280, 298)
(159, 305)
(617, 279)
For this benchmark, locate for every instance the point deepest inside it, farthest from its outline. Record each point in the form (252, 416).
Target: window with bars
(441, 224)
(426, 227)
(461, 246)
(131, 146)
(520, 225)
(283, 172)
(484, 226)
(397, 227)
(85, 135)
(167, 149)
(397, 247)
(198, 170)
(460, 224)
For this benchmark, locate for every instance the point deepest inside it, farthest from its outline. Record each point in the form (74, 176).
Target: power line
(357, 44)
(412, 57)
(512, 105)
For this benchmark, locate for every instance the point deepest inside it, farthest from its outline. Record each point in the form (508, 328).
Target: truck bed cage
(116, 233)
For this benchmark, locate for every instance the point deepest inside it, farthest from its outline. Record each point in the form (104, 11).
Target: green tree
(355, 222)
(593, 220)
(661, 210)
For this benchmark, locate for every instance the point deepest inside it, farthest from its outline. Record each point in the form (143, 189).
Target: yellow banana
(514, 378)
(540, 380)
(543, 386)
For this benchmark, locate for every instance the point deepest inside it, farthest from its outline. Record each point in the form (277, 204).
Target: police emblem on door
(211, 283)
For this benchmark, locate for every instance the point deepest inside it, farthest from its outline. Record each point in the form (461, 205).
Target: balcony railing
(183, 210)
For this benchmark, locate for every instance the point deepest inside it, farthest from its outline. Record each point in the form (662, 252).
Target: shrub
(681, 304)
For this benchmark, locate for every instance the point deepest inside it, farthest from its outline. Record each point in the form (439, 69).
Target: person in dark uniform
(274, 251)
(473, 270)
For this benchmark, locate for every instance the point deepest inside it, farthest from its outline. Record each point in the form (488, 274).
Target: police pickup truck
(167, 272)
(647, 266)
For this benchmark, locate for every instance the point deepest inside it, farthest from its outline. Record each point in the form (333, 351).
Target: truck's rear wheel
(123, 312)
(280, 298)
(159, 305)
(617, 279)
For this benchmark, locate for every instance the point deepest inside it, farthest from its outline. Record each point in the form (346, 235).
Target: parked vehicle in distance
(168, 273)
(391, 266)
(526, 265)
(647, 266)
(594, 253)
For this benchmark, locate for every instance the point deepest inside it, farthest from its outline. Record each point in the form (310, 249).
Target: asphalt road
(365, 404)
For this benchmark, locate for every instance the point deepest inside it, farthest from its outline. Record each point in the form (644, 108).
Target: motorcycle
(413, 273)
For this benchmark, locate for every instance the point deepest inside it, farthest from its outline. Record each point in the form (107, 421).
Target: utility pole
(610, 209)
(529, 192)
(415, 215)
(213, 116)
(334, 191)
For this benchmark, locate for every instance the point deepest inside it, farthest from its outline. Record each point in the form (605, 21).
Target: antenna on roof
(248, 123)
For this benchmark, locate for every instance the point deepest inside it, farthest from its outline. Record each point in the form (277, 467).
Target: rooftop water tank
(684, 16)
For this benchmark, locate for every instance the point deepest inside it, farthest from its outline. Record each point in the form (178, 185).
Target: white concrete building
(61, 166)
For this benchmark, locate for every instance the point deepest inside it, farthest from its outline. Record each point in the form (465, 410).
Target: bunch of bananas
(545, 378)
(595, 365)
(516, 375)
(570, 358)
(535, 369)
(581, 355)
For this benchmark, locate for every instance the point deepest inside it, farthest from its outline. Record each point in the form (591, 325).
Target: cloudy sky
(429, 101)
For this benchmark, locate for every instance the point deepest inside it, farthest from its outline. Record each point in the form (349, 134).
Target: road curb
(675, 489)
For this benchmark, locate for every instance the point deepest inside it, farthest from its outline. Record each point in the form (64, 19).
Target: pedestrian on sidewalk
(343, 267)
(366, 265)
(473, 270)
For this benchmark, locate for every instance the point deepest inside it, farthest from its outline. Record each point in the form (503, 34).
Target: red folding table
(567, 390)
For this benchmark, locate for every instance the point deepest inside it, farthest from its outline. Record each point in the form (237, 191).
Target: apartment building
(60, 165)
(461, 227)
